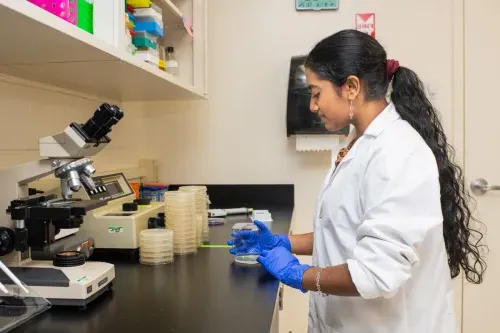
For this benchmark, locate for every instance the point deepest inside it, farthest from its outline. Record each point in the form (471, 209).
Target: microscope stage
(65, 286)
(63, 209)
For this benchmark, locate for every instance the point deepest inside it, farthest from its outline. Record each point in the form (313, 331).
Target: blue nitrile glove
(284, 266)
(256, 241)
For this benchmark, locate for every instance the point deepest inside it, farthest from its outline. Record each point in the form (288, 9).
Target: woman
(392, 223)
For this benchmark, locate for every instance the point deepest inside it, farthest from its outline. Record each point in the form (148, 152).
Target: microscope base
(65, 286)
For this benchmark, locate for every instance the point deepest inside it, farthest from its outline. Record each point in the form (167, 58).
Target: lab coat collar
(386, 117)
(377, 126)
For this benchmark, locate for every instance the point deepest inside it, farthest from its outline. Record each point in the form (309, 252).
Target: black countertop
(201, 293)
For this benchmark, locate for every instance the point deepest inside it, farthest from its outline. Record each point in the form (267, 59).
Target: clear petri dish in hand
(248, 257)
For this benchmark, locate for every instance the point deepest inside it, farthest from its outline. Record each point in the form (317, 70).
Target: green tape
(216, 246)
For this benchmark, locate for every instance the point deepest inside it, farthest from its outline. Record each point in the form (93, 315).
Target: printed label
(82, 280)
(115, 229)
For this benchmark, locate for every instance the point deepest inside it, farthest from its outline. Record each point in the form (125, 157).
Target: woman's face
(332, 108)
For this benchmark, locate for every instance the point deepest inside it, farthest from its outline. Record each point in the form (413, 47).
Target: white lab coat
(380, 213)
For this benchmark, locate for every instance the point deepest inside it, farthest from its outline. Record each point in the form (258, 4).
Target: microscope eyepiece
(104, 118)
(95, 130)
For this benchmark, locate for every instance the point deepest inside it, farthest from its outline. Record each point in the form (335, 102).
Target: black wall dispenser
(299, 119)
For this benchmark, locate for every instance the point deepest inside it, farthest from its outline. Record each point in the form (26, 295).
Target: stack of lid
(201, 202)
(180, 216)
(156, 246)
(148, 28)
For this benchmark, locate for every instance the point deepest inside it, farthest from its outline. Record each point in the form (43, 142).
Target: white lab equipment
(379, 211)
(117, 225)
(51, 268)
(262, 216)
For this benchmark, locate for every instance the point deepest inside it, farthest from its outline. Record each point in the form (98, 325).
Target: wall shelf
(172, 16)
(41, 47)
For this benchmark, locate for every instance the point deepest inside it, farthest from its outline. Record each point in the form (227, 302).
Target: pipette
(228, 211)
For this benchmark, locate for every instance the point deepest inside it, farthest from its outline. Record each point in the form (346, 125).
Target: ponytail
(464, 251)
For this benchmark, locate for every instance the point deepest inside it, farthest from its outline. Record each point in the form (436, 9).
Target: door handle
(480, 186)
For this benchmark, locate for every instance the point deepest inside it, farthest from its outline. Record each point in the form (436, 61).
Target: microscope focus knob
(129, 207)
(6, 241)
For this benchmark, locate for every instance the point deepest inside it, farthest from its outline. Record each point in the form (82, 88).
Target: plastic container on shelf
(154, 11)
(85, 15)
(148, 18)
(156, 246)
(65, 9)
(139, 3)
(148, 56)
(163, 64)
(145, 34)
(171, 62)
(144, 43)
(152, 27)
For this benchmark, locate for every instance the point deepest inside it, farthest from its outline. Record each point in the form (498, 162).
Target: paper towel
(317, 142)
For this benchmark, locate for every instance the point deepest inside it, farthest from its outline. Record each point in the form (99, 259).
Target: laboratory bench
(202, 293)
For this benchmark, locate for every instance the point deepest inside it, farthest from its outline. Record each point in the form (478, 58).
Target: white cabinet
(42, 47)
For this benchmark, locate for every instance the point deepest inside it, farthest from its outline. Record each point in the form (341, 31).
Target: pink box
(65, 9)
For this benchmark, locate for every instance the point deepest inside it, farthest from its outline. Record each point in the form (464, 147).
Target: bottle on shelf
(171, 62)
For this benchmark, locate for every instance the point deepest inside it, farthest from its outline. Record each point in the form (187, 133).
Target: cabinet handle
(480, 186)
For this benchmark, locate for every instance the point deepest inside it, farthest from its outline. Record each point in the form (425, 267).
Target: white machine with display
(54, 269)
(117, 225)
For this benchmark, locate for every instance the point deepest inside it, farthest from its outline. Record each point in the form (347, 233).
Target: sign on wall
(316, 4)
(366, 23)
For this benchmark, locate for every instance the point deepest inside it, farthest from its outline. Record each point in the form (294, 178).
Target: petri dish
(247, 258)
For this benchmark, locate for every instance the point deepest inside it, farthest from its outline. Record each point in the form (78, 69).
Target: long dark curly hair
(350, 52)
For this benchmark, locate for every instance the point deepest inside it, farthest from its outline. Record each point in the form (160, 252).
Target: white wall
(30, 111)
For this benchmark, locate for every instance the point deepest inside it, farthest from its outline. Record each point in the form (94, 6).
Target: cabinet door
(200, 69)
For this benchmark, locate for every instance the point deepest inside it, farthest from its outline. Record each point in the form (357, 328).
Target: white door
(481, 303)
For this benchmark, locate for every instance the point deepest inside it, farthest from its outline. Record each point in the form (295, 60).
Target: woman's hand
(284, 266)
(249, 241)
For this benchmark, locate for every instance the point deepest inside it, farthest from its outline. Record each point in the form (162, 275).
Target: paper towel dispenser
(300, 119)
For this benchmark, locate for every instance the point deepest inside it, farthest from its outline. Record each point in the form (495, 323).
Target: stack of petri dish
(180, 216)
(201, 204)
(156, 246)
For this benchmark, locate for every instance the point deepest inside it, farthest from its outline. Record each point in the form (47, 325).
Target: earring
(351, 111)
